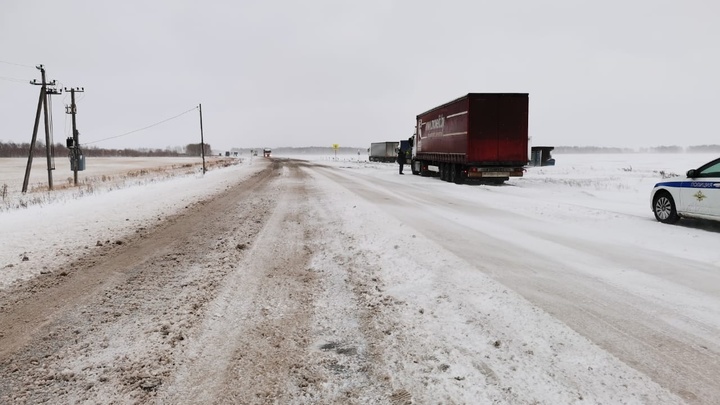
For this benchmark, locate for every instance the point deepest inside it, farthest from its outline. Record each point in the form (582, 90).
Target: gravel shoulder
(106, 325)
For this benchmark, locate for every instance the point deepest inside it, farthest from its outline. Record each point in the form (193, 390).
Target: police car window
(712, 171)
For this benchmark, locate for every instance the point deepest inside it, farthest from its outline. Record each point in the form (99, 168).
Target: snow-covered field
(101, 174)
(558, 287)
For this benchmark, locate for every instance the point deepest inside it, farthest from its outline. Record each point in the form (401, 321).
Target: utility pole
(202, 141)
(73, 143)
(45, 93)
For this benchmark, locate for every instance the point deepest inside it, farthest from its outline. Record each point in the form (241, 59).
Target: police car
(697, 196)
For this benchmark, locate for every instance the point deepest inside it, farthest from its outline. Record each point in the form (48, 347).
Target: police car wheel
(664, 208)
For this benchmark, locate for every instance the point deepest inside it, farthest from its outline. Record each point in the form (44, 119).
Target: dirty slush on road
(238, 299)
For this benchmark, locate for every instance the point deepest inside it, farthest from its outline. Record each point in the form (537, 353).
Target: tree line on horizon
(16, 150)
(322, 150)
(303, 150)
(655, 149)
(19, 150)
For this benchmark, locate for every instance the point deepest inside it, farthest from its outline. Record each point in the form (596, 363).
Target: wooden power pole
(45, 93)
(202, 141)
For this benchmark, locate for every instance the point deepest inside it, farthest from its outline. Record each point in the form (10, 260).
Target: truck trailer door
(498, 128)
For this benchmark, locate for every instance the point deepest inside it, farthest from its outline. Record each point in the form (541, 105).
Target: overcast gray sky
(318, 72)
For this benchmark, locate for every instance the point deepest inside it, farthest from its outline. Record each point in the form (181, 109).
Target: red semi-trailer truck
(479, 136)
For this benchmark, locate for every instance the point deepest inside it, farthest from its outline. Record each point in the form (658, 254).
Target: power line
(16, 64)
(143, 128)
(12, 79)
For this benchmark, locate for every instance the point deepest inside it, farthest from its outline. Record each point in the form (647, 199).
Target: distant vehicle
(697, 196)
(267, 152)
(383, 151)
(541, 156)
(479, 136)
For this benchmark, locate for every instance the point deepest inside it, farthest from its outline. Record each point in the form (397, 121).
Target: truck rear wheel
(444, 172)
(458, 174)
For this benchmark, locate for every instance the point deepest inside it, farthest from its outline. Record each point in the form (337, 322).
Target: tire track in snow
(257, 327)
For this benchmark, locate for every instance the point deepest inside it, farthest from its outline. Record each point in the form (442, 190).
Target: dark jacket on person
(401, 159)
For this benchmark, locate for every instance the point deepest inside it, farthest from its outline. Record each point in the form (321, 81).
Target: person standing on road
(401, 159)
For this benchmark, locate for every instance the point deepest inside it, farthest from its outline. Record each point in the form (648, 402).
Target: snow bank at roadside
(44, 237)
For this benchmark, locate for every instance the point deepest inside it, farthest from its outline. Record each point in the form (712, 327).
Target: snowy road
(654, 310)
(296, 282)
